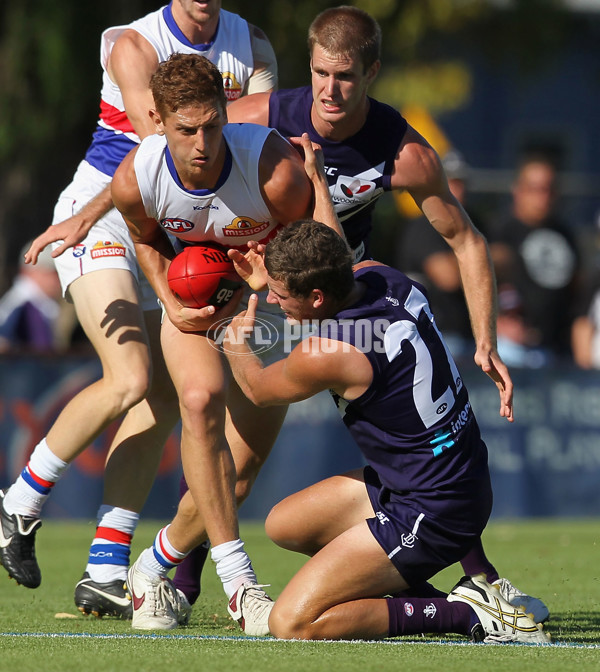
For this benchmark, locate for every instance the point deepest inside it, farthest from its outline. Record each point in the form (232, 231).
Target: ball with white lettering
(203, 275)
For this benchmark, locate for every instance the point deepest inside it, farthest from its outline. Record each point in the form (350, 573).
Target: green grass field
(557, 560)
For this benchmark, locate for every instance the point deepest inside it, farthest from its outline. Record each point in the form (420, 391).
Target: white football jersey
(230, 51)
(233, 214)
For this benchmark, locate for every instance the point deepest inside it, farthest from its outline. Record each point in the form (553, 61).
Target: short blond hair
(346, 31)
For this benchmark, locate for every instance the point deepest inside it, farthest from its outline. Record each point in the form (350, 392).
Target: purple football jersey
(358, 169)
(414, 424)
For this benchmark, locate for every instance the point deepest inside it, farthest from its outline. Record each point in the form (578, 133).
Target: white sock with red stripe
(233, 565)
(110, 549)
(161, 557)
(31, 489)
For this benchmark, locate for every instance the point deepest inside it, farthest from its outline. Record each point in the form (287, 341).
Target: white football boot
(250, 606)
(501, 621)
(530, 605)
(154, 599)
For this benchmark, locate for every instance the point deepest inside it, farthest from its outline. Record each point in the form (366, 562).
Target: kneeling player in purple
(424, 498)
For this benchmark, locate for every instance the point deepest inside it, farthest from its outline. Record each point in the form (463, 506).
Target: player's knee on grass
(285, 622)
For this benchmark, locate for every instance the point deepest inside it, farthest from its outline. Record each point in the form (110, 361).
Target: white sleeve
(264, 77)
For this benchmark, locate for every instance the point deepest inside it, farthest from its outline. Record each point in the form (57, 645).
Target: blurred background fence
(546, 464)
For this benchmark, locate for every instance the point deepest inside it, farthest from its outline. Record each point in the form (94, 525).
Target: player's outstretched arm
(418, 169)
(313, 366)
(73, 230)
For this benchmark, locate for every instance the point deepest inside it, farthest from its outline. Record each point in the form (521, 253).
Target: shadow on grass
(582, 627)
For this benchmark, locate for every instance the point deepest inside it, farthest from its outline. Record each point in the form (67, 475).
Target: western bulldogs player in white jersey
(425, 496)
(208, 176)
(100, 276)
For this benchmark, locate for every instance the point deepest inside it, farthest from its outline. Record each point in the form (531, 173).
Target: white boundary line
(271, 640)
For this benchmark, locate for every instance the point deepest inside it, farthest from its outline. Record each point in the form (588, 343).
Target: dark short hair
(308, 255)
(186, 79)
(346, 31)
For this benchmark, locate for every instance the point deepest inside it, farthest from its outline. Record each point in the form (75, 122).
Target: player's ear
(317, 297)
(155, 116)
(373, 71)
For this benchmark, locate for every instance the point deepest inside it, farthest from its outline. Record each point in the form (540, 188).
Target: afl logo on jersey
(233, 89)
(175, 225)
(78, 250)
(244, 226)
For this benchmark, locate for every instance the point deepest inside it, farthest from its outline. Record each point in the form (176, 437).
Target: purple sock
(419, 615)
(476, 562)
(188, 573)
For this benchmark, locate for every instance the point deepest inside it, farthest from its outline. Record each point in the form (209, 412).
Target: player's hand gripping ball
(203, 275)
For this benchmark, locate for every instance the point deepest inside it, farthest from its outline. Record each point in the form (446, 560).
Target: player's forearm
(479, 286)
(96, 208)
(154, 262)
(246, 368)
(323, 209)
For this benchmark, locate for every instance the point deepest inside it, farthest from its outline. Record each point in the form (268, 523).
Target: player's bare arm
(131, 64)
(418, 170)
(284, 184)
(253, 109)
(313, 366)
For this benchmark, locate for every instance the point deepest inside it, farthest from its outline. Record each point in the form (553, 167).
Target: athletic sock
(31, 489)
(111, 547)
(476, 562)
(233, 565)
(188, 573)
(420, 615)
(161, 557)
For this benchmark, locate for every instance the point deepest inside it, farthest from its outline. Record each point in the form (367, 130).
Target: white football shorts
(108, 244)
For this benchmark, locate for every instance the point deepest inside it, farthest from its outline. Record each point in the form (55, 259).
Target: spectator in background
(585, 330)
(516, 338)
(533, 249)
(30, 310)
(425, 256)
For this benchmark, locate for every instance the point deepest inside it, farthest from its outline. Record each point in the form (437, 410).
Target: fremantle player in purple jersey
(425, 496)
(369, 148)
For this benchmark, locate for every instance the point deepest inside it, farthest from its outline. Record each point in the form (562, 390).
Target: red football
(203, 275)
